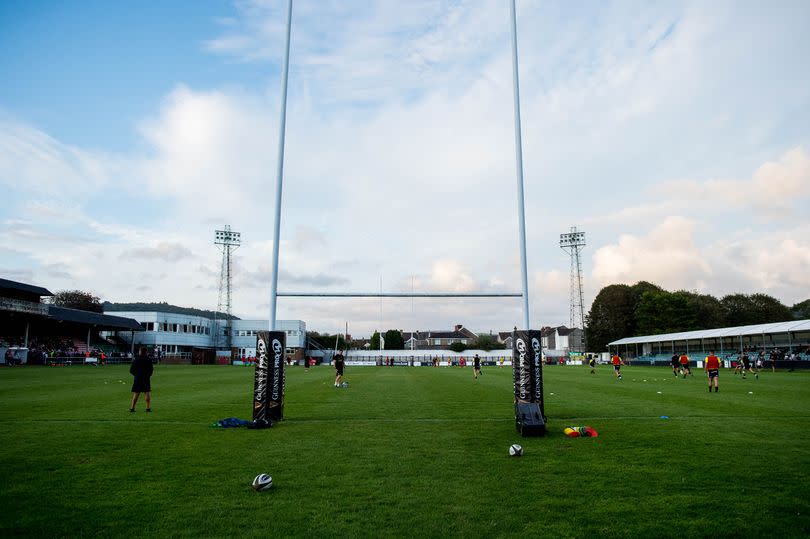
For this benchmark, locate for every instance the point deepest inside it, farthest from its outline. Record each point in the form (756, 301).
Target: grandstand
(785, 341)
(48, 333)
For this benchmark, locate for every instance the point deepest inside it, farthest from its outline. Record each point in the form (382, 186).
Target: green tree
(801, 310)
(486, 342)
(374, 343)
(737, 309)
(393, 340)
(768, 309)
(707, 309)
(611, 316)
(458, 346)
(642, 287)
(664, 312)
(743, 310)
(76, 299)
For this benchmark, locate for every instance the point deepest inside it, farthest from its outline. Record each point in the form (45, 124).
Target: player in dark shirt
(746, 366)
(141, 369)
(592, 365)
(676, 364)
(339, 363)
(476, 366)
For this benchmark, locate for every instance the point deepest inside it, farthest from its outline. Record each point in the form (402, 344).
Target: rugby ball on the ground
(515, 450)
(262, 482)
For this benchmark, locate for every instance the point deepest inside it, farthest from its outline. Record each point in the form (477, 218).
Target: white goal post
(274, 293)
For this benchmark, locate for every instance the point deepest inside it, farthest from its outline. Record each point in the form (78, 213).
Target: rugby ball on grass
(262, 482)
(515, 450)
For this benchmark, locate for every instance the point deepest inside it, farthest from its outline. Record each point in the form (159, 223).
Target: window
(185, 328)
(437, 342)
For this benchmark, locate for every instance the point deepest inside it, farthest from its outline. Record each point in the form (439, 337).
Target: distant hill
(164, 307)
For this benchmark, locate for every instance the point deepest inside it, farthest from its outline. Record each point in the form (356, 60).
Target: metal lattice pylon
(229, 241)
(573, 242)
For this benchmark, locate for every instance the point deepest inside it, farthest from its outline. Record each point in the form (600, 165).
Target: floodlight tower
(573, 242)
(228, 241)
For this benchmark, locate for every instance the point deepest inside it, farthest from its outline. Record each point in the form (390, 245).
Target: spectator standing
(141, 369)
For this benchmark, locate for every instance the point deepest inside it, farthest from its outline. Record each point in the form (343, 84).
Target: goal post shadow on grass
(268, 394)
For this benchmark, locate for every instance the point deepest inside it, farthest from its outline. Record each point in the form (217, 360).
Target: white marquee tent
(781, 334)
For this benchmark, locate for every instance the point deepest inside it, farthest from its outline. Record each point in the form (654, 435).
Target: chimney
(458, 327)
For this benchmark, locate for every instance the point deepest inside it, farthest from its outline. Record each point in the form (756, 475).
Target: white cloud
(776, 188)
(45, 166)
(667, 256)
(162, 251)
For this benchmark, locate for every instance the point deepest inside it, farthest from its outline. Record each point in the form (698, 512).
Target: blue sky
(675, 134)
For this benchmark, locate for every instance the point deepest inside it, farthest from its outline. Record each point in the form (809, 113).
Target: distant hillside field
(165, 308)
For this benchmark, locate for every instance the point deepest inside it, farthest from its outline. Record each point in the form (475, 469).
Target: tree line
(645, 308)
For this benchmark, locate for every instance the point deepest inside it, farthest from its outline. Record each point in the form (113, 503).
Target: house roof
(5, 284)
(462, 333)
(562, 330)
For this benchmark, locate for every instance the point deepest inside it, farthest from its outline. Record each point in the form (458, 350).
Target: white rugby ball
(515, 450)
(262, 482)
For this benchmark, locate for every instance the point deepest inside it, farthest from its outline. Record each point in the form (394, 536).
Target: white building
(176, 334)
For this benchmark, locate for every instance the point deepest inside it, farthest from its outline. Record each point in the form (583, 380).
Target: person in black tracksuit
(141, 369)
(339, 362)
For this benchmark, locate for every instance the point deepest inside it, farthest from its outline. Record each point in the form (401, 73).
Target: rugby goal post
(274, 293)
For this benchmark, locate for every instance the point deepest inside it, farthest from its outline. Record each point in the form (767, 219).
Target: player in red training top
(684, 359)
(617, 365)
(712, 368)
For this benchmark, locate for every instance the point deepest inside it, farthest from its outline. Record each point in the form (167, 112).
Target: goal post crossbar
(400, 294)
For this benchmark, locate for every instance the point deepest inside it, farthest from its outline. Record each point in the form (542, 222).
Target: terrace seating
(80, 345)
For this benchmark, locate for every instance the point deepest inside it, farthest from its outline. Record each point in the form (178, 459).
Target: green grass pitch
(417, 452)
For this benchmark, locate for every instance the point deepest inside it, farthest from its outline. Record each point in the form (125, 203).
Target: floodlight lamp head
(572, 239)
(227, 237)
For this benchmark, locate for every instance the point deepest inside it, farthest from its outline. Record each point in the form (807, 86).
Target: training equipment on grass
(527, 372)
(580, 432)
(262, 482)
(345, 384)
(268, 382)
(515, 450)
(230, 423)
